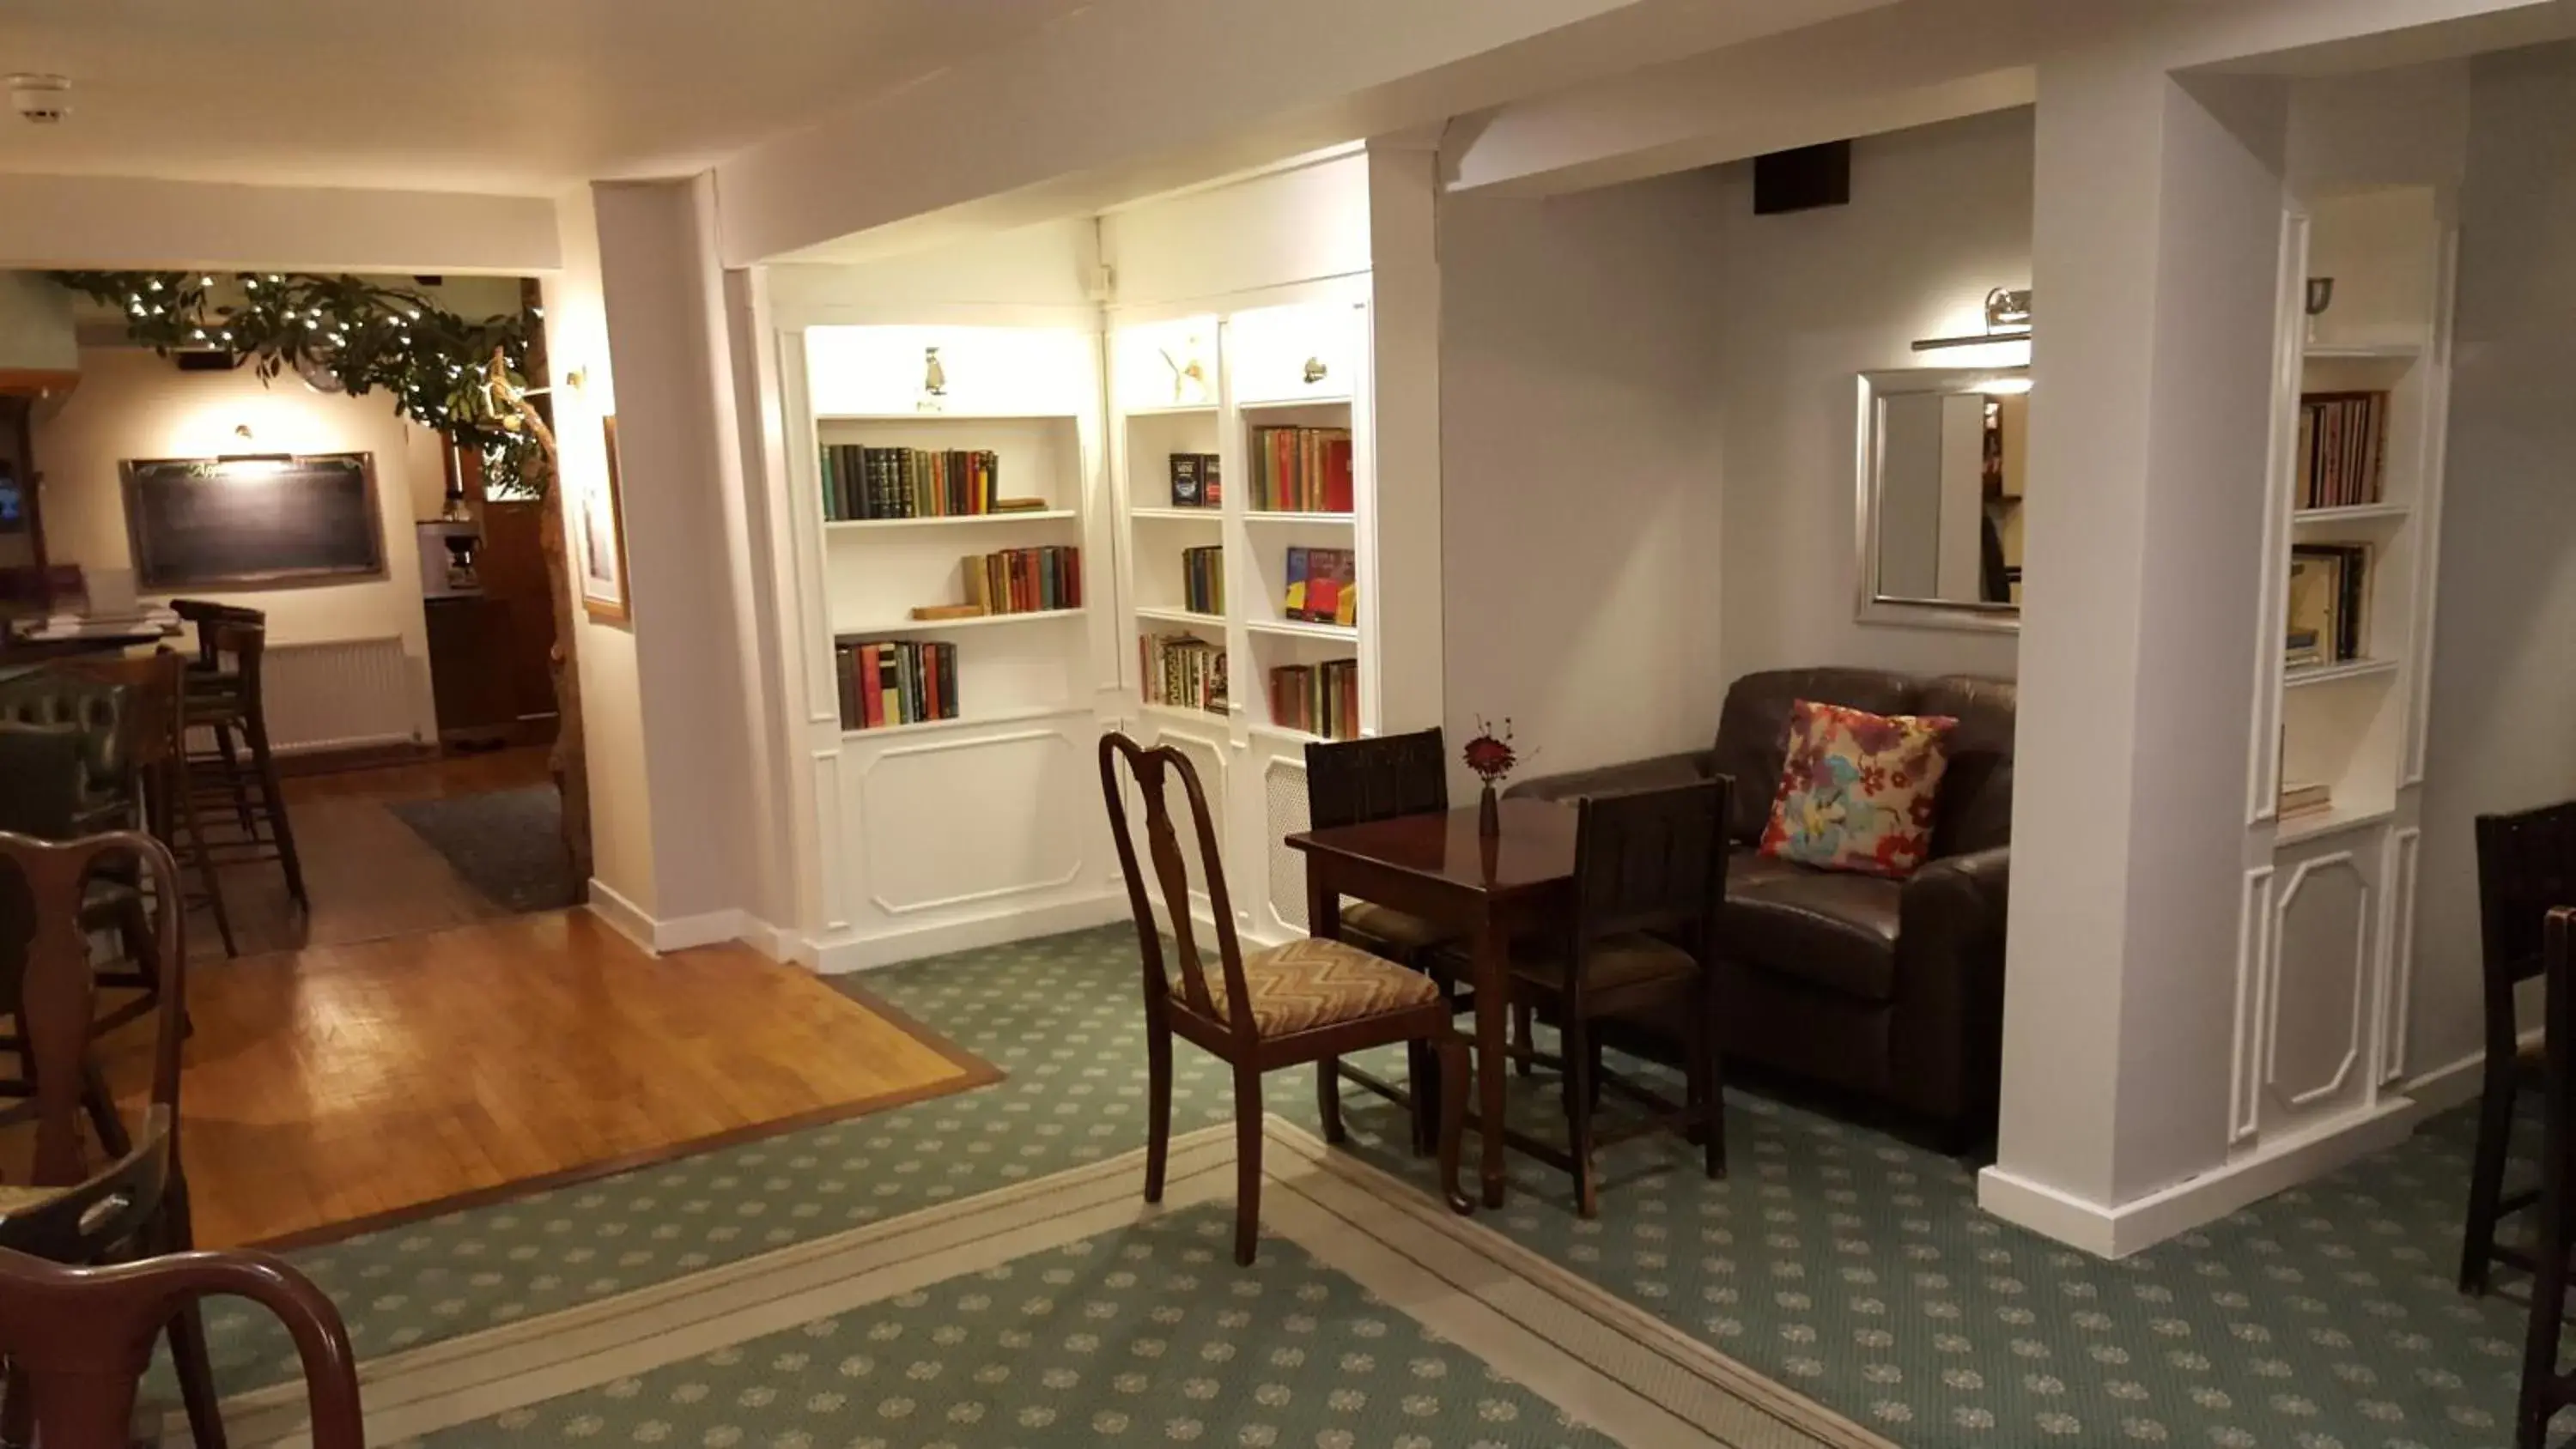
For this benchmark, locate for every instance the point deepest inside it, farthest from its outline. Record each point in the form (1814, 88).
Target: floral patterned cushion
(1857, 789)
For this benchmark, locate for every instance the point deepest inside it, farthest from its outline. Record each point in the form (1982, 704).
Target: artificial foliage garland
(439, 366)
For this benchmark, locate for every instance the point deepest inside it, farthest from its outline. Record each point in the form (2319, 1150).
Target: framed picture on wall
(602, 523)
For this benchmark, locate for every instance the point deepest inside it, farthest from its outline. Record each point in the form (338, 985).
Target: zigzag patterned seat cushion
(1313, 983)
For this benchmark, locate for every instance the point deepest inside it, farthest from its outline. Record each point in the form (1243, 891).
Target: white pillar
(2155, 262)
(699, 682)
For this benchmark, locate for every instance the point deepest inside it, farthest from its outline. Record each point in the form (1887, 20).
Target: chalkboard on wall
(275, 522)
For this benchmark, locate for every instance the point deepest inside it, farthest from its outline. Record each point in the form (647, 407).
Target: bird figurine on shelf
(934, 382)
(1189, 377)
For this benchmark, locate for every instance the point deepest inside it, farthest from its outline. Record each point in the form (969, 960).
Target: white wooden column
(2156, 245)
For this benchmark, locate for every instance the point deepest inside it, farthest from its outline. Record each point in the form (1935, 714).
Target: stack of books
(2329, 589)
(1320, 590)
(1195, 483)
(2305, 799)
(895, 681)
(866, 483)
(1024, 580)
(2343, 439)
(1203, 580)
(1321, 699)
(1182, 670)
(1301, 470)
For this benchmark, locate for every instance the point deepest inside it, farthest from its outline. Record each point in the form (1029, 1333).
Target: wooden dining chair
(2545, 1390)
(226, 696)
(1649, 880)
(2526, 865)
(48, 986)
(1309, 1000)
(81, 1338)
(154, 747)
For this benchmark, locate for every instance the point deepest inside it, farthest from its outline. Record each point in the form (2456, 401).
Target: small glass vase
(1489, 814)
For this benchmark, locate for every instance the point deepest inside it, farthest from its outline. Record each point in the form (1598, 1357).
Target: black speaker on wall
(1802, 180)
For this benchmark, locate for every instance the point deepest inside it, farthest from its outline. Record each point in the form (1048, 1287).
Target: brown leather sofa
(1891, 990)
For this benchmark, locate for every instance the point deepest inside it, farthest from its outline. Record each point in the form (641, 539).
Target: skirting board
(869, 952)
(2116, 1232)
(710, 928)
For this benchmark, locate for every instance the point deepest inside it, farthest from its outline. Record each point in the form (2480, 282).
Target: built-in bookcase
(2329, 888)
(1081, 356)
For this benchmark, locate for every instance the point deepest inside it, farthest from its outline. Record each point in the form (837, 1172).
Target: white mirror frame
(1872, 606)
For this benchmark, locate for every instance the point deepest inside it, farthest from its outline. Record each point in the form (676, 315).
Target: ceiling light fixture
(42, 100)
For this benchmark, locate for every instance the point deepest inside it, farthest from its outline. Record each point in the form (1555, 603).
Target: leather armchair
(1891, 991)
(69, 749)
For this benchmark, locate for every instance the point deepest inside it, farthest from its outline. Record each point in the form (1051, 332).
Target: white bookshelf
(2326, 944)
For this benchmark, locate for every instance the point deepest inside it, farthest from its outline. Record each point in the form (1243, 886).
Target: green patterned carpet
(1851, 1267)
(1150, 1334)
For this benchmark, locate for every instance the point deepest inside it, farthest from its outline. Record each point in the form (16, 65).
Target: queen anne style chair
(1309, 1000)
(2526, 865)
(2545, 1390)
(140, 1206)
(1649, 881)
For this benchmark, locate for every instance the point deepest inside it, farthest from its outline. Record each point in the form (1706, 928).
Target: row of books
(1320, 589)
(2304, 798)
(1301, 470)
(1203, 580)
(1024, 580)
(2329, 590)
(1182, 670)
(895, 681)
(863, 483)
(2343, 438)
(1321, 699)
(1196, 482)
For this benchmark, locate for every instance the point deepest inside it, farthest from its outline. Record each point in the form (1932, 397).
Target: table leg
(1324, 921)
(1493, 984)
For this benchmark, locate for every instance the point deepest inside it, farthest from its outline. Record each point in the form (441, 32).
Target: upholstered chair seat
(1312, 983)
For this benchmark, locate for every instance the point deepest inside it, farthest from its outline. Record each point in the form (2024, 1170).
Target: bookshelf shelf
(1179, 515)
(2334, 673)
(1184, 713)
(1290, 404)
(935, 626)
(2360, 513)
(2332, 821)
(1174, 410)
(1299, 629)
(2363, 351)
(1294, 736)
(863, 525)
(1344, 520)
(1180, 616)
(923, 727)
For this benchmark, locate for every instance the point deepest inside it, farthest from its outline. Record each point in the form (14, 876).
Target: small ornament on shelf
(1491, 755)
(1189, 375)
(934, 382)
(2320, 297)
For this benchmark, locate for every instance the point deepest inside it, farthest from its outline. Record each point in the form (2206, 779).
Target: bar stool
(2526, 866)
(2545, 1390)
(225, 697)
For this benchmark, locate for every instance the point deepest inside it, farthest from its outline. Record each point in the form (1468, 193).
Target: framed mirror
(1942, 458)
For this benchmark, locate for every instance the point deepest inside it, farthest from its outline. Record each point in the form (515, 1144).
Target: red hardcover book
(871, 689)
(1337, 475)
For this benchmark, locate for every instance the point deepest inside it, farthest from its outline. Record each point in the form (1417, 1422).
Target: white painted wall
(132, 404)
(1938, 216)
(2505, 605)
(1579, 357)
(621, 819)
(119, 222)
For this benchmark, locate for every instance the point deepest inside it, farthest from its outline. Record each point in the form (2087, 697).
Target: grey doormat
(508, 844)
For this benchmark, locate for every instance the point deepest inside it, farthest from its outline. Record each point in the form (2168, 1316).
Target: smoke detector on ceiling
(42, 100)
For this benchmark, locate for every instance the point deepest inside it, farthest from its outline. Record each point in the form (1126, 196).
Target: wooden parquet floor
(368, 1081)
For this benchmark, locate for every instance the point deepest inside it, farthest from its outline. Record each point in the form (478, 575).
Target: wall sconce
(2007, 320)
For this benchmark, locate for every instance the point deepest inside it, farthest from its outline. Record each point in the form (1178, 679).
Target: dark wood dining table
(1441, 868)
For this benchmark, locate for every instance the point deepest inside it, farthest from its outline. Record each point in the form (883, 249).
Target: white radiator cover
(338, 695)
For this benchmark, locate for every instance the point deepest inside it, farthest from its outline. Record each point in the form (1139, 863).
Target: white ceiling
(520, 96)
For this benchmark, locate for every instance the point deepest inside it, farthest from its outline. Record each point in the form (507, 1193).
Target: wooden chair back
(2526, 866)
(82, 1338)
(204, 614)
(1352, 782)
(1649, 860)
(51, 988)
(1153, 771)
(237, 647)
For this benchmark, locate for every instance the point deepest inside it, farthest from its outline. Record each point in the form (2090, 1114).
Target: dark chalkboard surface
(253, 521)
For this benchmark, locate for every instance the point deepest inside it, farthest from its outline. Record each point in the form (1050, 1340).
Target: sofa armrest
(1611, 779)
(1947, 1045)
